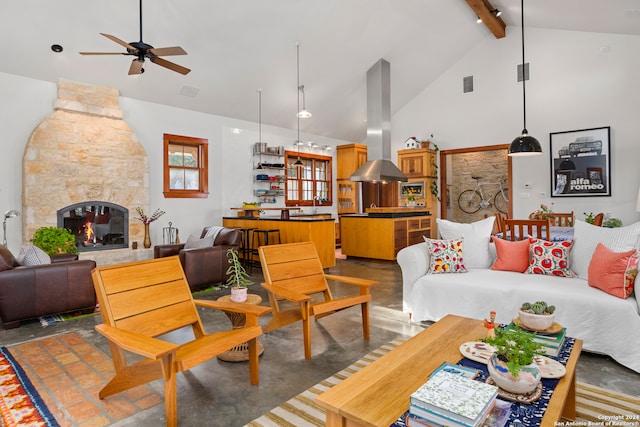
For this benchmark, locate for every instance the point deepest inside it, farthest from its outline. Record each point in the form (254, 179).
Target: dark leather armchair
(28, 292)
(204, 266)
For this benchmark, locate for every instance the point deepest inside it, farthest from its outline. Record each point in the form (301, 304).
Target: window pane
(321, 170)
(176, 179)
(191, 179)
(191, 156)
(175, 155)
(292, 189)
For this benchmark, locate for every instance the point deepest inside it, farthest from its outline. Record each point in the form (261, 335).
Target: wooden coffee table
(378, 394)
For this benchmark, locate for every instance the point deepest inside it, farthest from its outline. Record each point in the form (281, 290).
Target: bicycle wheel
(469, 201)
(500, 202)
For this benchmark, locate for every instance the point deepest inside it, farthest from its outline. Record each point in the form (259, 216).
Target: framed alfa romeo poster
(581, 163)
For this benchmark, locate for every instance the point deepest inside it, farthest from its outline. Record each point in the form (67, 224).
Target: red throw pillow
(512, 256)
(550, 258)
(613, 272)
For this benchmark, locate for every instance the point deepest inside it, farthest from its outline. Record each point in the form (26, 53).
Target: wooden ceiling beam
(483, 9)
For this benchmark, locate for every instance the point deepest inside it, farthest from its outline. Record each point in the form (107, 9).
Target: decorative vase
(536, 322)
(147, 238)
(239, 294)
(526, 381)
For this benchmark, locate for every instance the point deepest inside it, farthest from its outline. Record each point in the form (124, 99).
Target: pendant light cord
(298, 94)
(140, 21)
(524, 93)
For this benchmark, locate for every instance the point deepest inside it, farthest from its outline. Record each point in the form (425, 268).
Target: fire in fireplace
(96, 225)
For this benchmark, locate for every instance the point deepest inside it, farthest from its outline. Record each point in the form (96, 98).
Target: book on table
(450, 399)
(552, 343)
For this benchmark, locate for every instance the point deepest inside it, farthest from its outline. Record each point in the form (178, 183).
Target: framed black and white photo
(581, 163)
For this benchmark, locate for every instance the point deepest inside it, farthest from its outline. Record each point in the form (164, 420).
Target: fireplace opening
(97, 225)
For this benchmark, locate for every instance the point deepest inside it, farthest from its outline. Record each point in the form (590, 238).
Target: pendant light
(298, 162)
(524, 145)
(260, 126)
(304, 113)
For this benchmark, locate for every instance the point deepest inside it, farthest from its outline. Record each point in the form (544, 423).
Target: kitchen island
(381, 232)
(302, 228)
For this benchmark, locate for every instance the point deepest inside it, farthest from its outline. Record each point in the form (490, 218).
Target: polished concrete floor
(218, 393)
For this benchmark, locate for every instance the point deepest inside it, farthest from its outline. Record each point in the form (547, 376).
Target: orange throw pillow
(512, 256)
(613, 272)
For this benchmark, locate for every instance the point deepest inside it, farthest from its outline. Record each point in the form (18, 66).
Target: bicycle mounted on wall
(472, 200)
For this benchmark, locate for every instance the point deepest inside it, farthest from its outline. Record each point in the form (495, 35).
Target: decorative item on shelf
(589, 218)
(237, 277)
(537, 316)
(146, 220)
(543, 213)
(411, 143)
(55, 240)
(512, 366)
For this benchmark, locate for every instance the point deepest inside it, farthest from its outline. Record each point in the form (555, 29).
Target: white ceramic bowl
(537, 322)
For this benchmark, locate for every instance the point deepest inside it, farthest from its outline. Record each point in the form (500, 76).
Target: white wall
(24, 103)
(573, 86)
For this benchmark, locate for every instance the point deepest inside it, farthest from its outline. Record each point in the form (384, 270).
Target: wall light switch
(543, 194)
(524, 194)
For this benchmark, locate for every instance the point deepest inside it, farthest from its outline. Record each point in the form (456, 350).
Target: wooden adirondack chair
(293, 272)
(142, 300)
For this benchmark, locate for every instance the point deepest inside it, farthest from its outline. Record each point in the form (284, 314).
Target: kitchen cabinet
(349, 157)
(417, 162)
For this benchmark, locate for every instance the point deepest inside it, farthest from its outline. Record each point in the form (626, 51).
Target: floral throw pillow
(551, 258)
(446, 256)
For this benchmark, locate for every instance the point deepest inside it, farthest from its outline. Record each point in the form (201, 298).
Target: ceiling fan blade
(136, 67)
(170, 65)
(120, 42)
(102, 53)
(168, 51)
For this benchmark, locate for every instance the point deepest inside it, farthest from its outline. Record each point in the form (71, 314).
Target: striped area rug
(302, 411)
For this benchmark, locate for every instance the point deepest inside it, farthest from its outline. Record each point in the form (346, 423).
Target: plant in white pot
(237, 277)
(512, 366)
(537, 316)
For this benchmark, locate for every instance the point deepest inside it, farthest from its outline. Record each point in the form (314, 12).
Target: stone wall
(83, 151)
(491, 165)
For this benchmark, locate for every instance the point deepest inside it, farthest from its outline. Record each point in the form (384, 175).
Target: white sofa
(607, 324)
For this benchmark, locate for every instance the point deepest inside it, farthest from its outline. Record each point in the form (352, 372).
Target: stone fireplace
(84, 152)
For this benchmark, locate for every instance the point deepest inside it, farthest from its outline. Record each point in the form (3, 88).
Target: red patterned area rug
(59, 378)
(20, 403)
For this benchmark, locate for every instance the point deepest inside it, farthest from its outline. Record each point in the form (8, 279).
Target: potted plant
(538, 316)
(55, 240)
(512, 365)
(237, 277)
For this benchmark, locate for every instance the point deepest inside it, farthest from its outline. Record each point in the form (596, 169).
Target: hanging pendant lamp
(304, 113)
(260, 126)
(524, 145)
(298, 142)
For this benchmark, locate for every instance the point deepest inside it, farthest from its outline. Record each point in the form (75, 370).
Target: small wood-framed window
(310, 180)
(186, 171)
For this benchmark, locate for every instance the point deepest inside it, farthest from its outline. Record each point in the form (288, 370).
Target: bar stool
(255, 243)
(245, 245)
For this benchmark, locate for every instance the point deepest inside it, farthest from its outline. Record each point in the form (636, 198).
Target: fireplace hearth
(97, 225)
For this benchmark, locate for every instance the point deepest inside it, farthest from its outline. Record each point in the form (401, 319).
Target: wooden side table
(240, 352)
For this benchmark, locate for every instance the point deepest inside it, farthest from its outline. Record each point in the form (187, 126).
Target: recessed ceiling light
(56, 48)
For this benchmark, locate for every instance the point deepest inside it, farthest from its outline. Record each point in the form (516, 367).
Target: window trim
(202, 146)
(329, 180)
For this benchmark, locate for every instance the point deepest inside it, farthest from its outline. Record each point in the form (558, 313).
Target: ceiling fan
(141, 50)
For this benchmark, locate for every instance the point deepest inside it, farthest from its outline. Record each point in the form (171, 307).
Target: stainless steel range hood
(379, 127)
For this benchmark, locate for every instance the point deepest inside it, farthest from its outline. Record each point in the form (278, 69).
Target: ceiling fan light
(304, 114)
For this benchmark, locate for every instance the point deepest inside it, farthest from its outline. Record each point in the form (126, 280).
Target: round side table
(240, 352)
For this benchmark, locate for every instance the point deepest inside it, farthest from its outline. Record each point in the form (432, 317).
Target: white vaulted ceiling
(237, 46)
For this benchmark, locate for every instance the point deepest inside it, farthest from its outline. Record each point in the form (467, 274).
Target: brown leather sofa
(204, 266)
(28, 292)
